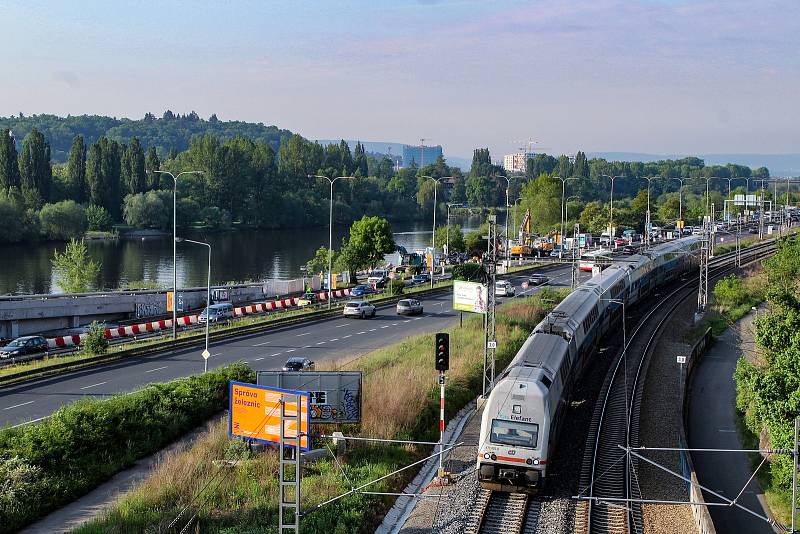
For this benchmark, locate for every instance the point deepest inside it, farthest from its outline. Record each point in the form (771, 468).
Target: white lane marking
(385, 326)
(258, 360)
(395, 324)
(262, 344)
(18, 405)
(276, 354)
(156, 369)
(348, 335)
(364, 332)
(217, 354)
(291, 350)
(31, 421)
(307, 346)
(725, 430)
(343, 325)
(93, 385)
(321, 342)
(335, 339)
(372, 329)
(303, 334)
(417, 319)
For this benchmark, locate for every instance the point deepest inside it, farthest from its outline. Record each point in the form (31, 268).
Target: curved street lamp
(436, 183)
(174, 247)
(206, 353)
(330, 233)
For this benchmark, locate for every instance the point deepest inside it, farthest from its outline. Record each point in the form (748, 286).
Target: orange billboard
(255, 413)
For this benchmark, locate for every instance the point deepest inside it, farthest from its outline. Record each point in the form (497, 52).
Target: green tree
(459, 193)
(148, 210)
(62, 221)
(133, 174)
(479, 191)
(103, 167)
(76, 171)
(593, 218)
(425, 196)
(12, 221)
(669, 208)
(98, 218)
(152, 163)
(370, 239)
(319, 263)
(95, 341)
(34, 165)
(456, 241)
(75, 271)
(543, 197)
(9, 167)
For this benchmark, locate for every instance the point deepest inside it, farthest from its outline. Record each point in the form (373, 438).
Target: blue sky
(597, 75)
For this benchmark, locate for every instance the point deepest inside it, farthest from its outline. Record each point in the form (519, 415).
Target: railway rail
(608, 480)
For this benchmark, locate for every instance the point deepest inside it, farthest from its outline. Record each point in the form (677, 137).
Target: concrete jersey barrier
(186, 320)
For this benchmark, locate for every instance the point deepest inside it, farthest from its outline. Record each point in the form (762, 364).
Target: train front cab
(510, 462)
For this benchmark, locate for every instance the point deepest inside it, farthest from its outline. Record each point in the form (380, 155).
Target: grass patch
(50, 464)
(400, 400)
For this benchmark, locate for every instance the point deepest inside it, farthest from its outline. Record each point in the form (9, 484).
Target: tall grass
(400, 400)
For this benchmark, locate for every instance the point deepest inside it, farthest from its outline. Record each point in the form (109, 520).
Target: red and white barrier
(186, 320)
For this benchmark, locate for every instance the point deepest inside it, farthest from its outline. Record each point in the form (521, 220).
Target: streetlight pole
(515, 217)
(611, 214)
(680, 201)
(561, 228)
(330, 235)
(174, 247)
(505, 248)
(647, 215)
(206, 353)
(436, 182)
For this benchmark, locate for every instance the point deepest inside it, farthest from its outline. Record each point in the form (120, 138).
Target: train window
(514, 433)
(546, 381)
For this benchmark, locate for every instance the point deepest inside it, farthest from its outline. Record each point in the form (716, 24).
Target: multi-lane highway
(336, 339)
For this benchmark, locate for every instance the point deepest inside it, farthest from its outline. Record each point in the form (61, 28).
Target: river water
(237, 256)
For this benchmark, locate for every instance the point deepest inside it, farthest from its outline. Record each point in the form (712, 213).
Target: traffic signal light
(442, 351)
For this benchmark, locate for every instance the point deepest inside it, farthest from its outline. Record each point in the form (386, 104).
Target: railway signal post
(489, 319)
(442, 365)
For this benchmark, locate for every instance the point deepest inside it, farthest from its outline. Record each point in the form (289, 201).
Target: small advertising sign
(469, 296)
(255, 413)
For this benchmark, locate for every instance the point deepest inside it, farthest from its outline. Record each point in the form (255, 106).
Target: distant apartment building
(516, 162)
(421, 155)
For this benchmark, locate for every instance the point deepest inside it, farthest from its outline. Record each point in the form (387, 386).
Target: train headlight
(494, 456)
(536, 461)
(486, 456)
(529, 461)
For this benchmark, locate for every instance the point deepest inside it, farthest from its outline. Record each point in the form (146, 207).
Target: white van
(217, 312)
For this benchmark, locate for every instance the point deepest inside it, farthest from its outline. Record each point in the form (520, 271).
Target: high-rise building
(421, 155)
(516, 162)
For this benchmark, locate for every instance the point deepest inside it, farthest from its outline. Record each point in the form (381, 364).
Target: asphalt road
(712, 425)
(336, 339)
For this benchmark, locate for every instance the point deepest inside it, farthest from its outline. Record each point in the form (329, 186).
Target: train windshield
(514, 433)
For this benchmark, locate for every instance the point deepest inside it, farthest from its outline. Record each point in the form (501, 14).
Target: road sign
(255, 413)
(335, 395)
(441, 380)
(681, 359)
(206, 354)
(492, 345)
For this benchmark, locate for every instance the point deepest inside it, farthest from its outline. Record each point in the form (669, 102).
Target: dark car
(23, 346)
(423, 278)
(629, 250)
(298, 363)
(537, 279)
(361, 290)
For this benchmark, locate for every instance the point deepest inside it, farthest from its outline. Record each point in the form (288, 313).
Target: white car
(359, 308)
(503, 288)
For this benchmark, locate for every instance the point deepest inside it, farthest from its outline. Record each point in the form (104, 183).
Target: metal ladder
(289, 467)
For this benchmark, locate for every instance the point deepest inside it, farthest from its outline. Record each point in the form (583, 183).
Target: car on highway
(538, 279)
(216, 312)
(503, 288)
(618, 241)
(378, 278)
(308, 299)
(629, 250)
(298, 363)
(359, 308)
(423, 278)
(409, 307)
(361, 290)
(23, 346)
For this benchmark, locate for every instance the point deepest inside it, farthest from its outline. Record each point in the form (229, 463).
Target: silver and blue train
(524, 412)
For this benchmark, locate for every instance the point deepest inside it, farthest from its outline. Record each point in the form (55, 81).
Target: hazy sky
(598, 75)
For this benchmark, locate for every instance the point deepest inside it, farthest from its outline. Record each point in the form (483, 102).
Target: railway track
(608, 477)
(497, 512)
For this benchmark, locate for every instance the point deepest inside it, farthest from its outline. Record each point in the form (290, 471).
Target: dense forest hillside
(169, 134)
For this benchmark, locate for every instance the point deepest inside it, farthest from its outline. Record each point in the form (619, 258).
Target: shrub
(75, 272)
(98, 218)
(730, 292)
(215, 218)
(95, 341)
(473, 272)
(12, 229)
(63, 220)
(83, 444)
(395, 287)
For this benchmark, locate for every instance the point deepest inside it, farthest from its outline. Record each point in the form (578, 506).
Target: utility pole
(491, 306)
(575, 240)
